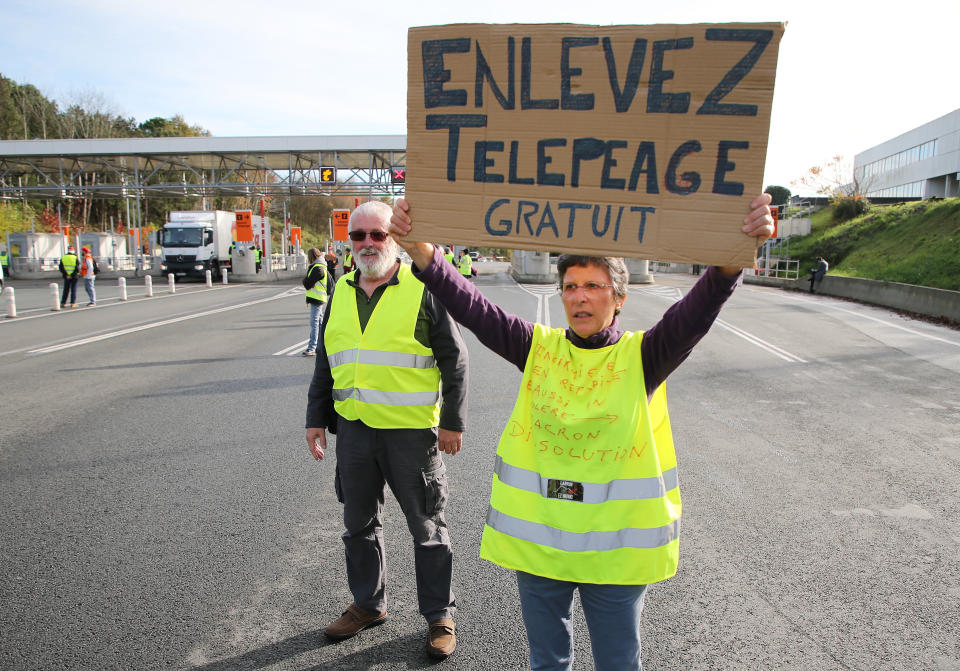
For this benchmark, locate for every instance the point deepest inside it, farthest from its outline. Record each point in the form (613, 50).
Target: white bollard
(172, 282)
(223, 272)
(209, 277)
(55, 290)
(11, 303)
(123, 288)
(148, 284)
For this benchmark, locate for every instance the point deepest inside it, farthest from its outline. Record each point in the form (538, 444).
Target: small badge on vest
(568, 490)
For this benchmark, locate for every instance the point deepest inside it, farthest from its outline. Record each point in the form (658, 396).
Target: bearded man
(388, 355)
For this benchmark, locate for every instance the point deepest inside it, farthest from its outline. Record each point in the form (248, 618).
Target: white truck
(196, 241)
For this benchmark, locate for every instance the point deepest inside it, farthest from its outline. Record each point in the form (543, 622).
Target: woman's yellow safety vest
(585, 482)
(382, 376)
(319, 290)
(465, 265)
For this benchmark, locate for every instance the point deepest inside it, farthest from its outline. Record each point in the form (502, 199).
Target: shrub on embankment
(914, 243)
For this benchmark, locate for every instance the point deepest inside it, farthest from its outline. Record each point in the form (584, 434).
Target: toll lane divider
(143, 327)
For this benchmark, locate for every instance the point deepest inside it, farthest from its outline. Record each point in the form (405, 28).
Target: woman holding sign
(585, 493)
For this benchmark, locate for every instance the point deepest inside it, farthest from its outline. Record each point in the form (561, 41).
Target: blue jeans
(613, 618)
(316, 314)
(88, 285)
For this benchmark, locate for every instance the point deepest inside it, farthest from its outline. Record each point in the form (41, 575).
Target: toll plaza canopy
(371, 165)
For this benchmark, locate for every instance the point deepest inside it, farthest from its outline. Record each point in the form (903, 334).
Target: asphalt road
(160, 509)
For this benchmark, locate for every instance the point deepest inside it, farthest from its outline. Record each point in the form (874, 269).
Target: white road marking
(759, 342)
(674, 294)
(292, 350)
(543, 292)
(143, 327)
(875, 319)
(24, 315)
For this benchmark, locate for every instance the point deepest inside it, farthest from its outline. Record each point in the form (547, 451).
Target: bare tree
(836, 178)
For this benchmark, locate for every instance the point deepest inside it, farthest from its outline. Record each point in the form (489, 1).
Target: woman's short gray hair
(614, 265)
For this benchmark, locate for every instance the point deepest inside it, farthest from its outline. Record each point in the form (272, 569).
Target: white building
(921, 163)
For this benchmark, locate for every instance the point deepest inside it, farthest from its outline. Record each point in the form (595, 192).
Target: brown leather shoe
(352, 622)
(442, 640)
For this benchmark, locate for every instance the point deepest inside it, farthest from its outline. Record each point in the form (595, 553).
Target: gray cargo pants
(409, 461)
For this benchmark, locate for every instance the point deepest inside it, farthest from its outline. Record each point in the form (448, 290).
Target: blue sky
(848, 77)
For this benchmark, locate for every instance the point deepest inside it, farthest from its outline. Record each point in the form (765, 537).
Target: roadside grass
(914, 243)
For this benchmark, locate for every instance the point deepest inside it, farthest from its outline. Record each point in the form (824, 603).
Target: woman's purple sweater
(664, 347)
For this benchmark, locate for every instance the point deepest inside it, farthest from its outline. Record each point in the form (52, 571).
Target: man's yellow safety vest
(382, 376)
(319, 290)
(585, 483)
(69, 262)
(465, 265)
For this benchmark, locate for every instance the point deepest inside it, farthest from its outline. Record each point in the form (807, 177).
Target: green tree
(11, 123)
(175, 126)
(781, 194)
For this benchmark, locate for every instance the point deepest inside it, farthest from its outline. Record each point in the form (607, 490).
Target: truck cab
(194, 242)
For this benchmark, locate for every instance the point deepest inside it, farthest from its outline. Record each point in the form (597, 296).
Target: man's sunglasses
(376, 236)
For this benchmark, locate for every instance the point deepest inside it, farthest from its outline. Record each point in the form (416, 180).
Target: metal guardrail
(786, 269)
(23, 264)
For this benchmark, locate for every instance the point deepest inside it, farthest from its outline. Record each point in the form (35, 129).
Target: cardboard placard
(643, 141)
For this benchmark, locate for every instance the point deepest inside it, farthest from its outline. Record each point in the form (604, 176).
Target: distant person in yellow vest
(388, 354)
(579, 504)
(348, 262)
(465, 263)
(257, 256)
(316, 283)
(69, 270)
(449, 256)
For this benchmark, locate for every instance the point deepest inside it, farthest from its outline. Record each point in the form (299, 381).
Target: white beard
(376, 265)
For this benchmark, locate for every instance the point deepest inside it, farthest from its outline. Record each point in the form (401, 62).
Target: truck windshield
(182, 237)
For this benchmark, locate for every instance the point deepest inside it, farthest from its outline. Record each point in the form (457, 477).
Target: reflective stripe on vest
(398, 398)
(382, 375)
(585, 488)
(377, 358)
(628, 489)
(69, 262)
(590, 541)
(319, 290)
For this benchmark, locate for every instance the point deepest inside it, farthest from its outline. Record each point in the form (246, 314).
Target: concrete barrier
(939, 303)
(537, 268)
